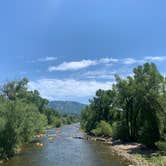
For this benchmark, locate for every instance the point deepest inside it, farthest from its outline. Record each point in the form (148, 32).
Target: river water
(64, 150)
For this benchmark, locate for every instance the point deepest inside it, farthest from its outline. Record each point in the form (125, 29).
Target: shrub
(119, 131)
(149, 134)
(102, 129)
(161, 145)
(56, 122)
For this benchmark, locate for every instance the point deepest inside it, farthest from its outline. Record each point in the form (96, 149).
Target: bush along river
(59, 148)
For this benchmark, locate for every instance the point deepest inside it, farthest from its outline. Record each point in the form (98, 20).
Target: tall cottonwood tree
(137, 102)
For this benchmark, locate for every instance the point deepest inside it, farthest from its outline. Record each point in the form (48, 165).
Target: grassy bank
(156, 158)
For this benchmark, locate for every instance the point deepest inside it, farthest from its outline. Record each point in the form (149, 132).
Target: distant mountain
(67, 107)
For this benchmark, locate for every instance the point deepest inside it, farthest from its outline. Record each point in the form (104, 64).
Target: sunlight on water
(61, 149)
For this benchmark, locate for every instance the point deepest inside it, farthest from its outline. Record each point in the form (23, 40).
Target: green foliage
(88, 120)
(135, 107)
(56, 122)
(161, 145)
(120, 131)
(68, 119)
(149, 134)
(23, 114)
(19, 124)
(102, 129)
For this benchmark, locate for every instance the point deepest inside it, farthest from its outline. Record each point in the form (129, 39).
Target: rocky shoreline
(124, 150)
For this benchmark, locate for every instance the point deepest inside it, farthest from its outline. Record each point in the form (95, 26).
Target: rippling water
(66, 151)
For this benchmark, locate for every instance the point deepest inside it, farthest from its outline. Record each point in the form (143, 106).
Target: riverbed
(61, 149)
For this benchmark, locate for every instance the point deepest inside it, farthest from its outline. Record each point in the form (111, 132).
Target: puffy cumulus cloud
(56, 89)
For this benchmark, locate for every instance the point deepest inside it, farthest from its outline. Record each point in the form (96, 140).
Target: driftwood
(91, 138)
(78, 137)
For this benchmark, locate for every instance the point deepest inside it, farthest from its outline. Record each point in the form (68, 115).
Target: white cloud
(108, 60)
(129, 61)
(100, 74)
(75, 65)
(48, 58)
(155, 58)
(56, 89)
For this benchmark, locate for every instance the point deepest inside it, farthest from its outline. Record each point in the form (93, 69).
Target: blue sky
(69, 49)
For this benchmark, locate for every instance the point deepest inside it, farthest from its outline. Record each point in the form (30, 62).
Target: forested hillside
(133, 110)
(23, 114)
(67, 107)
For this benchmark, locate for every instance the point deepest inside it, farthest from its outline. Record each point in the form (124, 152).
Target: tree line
(134, 109)
(23, 114)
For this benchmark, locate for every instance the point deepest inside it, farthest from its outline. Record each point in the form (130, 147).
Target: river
(66, 151)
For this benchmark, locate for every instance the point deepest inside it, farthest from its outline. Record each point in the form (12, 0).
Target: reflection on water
(63, 150)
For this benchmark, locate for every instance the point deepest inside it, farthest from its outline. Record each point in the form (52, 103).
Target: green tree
(135, 107)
